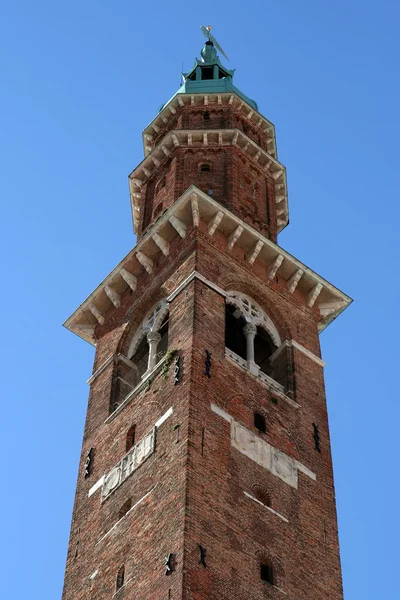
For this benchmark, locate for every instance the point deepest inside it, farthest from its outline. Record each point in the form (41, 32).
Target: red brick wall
(219, 117)
(153, 529)
(235, 180)
(236, 531)
(198, 488)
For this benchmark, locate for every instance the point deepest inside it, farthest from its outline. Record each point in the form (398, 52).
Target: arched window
(125, 508)
(148, 346)
(205, 167)
(150, 341)
(271, 570)
(130, 437)
(235, 338)
(120, 577)
(261, 494)
(250, 333)
(206, 114)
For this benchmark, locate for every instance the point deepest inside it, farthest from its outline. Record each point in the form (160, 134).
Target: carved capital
(153, 337)
(250, 329)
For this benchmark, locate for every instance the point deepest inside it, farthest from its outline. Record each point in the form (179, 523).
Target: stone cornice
(202, 100)
(197, 138)
(187, 212)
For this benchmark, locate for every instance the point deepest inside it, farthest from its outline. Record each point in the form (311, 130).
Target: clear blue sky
(79, 81)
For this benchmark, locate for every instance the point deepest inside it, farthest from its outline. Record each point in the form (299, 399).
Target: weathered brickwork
(212, 116)
(204, 511)
(197, 485)
(232, 179)
(237, 531)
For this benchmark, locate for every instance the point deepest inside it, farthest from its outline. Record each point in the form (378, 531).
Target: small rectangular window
(259, 422)
(267, 574)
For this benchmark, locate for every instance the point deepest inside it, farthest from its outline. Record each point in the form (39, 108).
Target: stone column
(153, 338)
(250, 331)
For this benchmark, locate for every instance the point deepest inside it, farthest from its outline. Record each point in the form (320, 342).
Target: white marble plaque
(277, 462)
(244, 441)
(111, 481)
(129, 463)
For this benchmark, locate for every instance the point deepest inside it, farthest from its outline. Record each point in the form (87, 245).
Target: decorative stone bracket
(188, 210)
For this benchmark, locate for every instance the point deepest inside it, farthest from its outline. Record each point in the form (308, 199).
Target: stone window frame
(149, 327)
(255, 317)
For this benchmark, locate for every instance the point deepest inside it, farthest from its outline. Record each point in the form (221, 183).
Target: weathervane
(207, 32)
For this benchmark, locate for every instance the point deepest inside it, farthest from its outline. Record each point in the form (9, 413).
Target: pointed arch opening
(148, 346)
(251, 338)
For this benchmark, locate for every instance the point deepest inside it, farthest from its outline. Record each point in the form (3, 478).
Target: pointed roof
(208, 75)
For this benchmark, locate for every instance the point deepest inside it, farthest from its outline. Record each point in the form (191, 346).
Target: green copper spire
(208, 75)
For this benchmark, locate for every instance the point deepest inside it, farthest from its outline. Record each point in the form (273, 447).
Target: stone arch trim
(253, 313)
(261, 294)
(151, 322)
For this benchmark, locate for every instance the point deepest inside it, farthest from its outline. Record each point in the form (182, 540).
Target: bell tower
(205, 470)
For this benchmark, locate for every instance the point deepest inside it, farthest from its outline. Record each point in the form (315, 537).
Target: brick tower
(206, 468)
